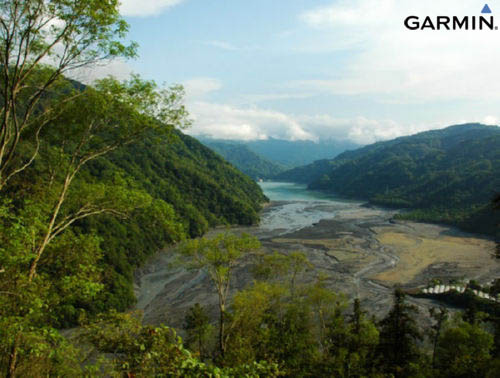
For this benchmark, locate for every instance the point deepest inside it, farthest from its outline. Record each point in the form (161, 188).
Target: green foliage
(39, 351)
(63, 34)
(440, 317)
(308, 173)
(218, 257)
(191, 188)
(463, 350)
(307, 332)
(199, 330)
(74, 224)
(203, 188)
(138, 349)
(268, 324)
(94, 179)
(399, 334)
(447, 176)
(351, 343)
(147, 351)
(278, 267)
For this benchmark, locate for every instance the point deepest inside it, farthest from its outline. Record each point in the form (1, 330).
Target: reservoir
(294, 207)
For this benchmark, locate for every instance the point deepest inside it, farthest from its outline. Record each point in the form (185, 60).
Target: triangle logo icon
(486, 9)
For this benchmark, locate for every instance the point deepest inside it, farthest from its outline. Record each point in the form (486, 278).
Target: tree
(40, 41)
(278, 267)
(363, 340)
(218, 257)
(104, 118)
(198, 328)
(350, 344)
(464, 351)
(398, 336)
(440, 317)
(327, 308)
(146, 351)
(249, 329)
(496, 207)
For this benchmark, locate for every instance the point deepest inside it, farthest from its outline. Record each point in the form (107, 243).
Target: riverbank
(359, 250)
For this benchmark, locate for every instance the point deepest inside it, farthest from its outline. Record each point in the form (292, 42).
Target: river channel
(360, 250)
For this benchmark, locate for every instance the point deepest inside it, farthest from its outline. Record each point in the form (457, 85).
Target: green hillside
(202, 188)
(246, 160)
(118, 197)
(448, 175)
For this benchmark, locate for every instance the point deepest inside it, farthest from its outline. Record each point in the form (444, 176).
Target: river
(360, 250)
(295, 207)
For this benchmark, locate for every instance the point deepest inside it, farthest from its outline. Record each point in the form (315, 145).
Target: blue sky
(312, 69)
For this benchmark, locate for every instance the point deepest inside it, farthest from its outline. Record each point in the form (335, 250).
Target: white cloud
(230, 122)
(405, 65)
(144, 8)
(198, 87)
(360, 129)
(252, 123)
(490, 120)
(256, 98)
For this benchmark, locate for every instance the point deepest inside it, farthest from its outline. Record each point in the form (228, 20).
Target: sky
(316, 69)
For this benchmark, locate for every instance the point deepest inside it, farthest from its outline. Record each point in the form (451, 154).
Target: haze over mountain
(288, 153)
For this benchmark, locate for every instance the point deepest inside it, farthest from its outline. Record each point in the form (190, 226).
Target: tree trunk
(55, 213)
(11, 373)
(222, 344)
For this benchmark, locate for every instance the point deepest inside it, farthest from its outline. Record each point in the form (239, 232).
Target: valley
(283, 204)
(359, 250)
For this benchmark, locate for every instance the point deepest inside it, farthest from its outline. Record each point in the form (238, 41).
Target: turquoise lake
(298, 207)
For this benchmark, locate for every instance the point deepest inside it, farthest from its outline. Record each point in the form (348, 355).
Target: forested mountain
(448, 175)
(202, 189)
(246, 160)
(306, 173)
(299, 152)
(290, 154)
(113, 182)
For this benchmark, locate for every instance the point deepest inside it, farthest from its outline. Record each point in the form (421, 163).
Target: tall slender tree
(218, 257)
(398, 337)
(439, 316)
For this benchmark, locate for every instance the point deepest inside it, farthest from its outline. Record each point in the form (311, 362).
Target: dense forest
(245, 159)
(449, 175)
(182, 176)
(185, 188)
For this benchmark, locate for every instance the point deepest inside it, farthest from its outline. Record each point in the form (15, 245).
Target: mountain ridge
(448, 175)
(247, 161)
(290, 154)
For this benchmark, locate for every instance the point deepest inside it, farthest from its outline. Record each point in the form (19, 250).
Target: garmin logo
(482, 22)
